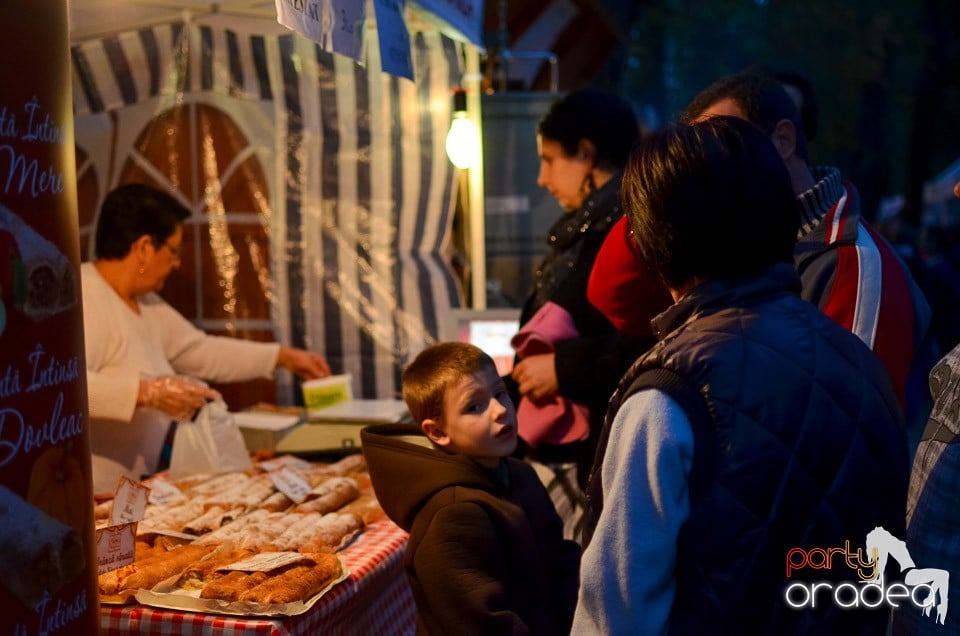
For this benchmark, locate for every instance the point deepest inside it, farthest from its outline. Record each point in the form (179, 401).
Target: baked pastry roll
(148, 574)
(232, 585)
(196, 576)
(298, 582)
(330, 495)
(333, 532)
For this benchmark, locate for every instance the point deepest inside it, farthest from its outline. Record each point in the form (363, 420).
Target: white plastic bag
(210, 444)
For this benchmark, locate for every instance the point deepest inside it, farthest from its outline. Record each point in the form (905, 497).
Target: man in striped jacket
(846, 267)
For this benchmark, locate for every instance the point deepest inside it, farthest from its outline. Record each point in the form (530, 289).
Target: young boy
(486, 552)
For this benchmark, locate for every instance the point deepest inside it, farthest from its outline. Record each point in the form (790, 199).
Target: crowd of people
(747, 354)
(722, 378)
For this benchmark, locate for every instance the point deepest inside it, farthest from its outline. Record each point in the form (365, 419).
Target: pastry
(196, 576)
(299, 582)
(330, 495)
(160, 568)
(232, 585)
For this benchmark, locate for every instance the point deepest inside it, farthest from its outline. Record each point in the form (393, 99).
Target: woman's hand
(536, 376)
(306, 364)
(178, 396)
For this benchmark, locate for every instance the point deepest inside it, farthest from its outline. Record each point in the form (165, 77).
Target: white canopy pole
(475, 200)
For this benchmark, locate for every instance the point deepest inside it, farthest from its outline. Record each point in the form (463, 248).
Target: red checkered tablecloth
(376, 599)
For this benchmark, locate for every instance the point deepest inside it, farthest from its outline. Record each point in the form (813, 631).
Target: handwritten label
(266, 561)
(291, 484)
(129, 502)
(163, 492)
(285, 461)
(115, 546)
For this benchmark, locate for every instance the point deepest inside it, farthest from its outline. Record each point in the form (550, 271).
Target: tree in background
(885, 72)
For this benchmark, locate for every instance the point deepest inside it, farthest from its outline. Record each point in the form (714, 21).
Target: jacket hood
(406, 470)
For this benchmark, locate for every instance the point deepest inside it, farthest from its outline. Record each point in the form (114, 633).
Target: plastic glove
(176, 395)
(306, 364)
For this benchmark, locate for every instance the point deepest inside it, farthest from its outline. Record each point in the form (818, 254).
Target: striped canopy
(321, 196)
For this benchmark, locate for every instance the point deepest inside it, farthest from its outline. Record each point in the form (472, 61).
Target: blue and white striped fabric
(359, 192)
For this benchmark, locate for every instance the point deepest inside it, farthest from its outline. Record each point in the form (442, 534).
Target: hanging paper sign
(347, 26)
(336, 25)
(309, 18)
(464, 16)
(394, 38)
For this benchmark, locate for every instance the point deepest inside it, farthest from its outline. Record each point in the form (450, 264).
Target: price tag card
(129, 502)
(291, 484)
(115, 546)
(163, 492)
(265, 561)
(286, 461)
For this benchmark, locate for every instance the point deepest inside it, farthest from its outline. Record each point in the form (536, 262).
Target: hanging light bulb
(463, 142)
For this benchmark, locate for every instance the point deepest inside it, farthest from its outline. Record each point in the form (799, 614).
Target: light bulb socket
(459, 100)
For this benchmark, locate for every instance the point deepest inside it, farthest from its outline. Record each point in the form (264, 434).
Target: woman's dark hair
(709, 200)
(763, 99)
(606, 120)
(134, 210)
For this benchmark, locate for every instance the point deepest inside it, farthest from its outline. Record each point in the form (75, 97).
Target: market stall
(320, 204)
(320, 192)
(196, 533)
(375, 600)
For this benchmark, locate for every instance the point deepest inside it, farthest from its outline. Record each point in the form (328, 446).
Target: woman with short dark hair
(142, 355)
(583, 142)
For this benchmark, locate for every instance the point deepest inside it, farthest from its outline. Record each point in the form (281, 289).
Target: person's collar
(717, 293)
(814, 203)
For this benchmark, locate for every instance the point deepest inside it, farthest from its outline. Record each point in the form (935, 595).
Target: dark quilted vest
(806, 449)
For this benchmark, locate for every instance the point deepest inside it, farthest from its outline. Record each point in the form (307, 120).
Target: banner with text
(48, 565)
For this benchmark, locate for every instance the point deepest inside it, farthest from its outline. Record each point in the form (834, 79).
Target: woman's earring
(590, 183)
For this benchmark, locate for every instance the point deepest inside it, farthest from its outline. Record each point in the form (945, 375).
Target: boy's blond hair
(436, 369)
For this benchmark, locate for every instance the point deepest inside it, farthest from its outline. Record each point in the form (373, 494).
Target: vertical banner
(394, 38)
(47, 561)
(465, 16)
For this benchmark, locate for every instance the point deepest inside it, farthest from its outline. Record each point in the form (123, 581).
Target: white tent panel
(337, 171)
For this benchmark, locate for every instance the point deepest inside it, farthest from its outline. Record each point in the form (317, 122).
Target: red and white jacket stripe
(856, 277)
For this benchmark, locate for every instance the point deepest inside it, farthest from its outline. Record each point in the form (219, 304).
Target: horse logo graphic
(884, 545)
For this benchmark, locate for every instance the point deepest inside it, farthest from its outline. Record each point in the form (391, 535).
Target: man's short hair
(798, 81)
(709, 200)
(763, 100)
(436, 369)
(134, 210)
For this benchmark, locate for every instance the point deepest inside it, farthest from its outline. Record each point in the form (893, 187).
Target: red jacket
(854, 275)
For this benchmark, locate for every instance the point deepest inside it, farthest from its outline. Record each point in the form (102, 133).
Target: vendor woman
(142, 355)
